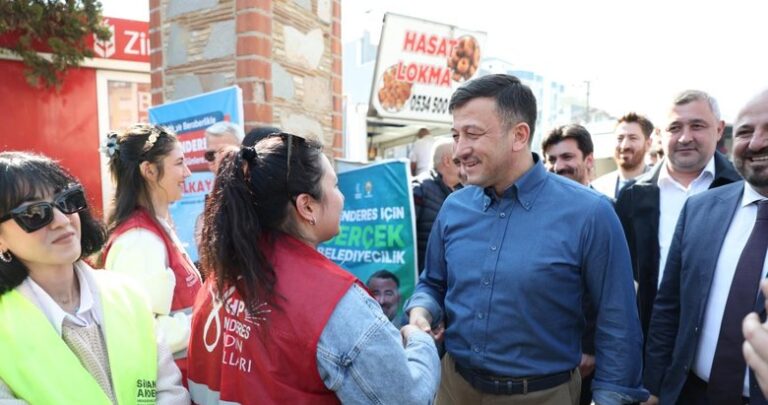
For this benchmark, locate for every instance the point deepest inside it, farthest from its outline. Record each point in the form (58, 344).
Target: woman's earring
(6, 256)
(312, 221)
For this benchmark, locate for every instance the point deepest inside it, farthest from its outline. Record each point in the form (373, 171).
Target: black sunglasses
(34, 216)
(210, 155)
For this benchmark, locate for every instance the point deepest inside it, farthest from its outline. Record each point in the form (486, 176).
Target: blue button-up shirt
(510, 272)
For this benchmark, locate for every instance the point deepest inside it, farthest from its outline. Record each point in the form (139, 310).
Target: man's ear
(720, 129)
(590, 161)
(521, 133)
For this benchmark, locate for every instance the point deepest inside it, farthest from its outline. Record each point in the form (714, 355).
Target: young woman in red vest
(277, 322)
(147, 166)
(69, 334)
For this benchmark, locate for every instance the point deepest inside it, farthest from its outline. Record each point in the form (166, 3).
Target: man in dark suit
(648, 209)
(711, 281)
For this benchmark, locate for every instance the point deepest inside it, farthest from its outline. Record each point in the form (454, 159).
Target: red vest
(270, 356)
(187, 278)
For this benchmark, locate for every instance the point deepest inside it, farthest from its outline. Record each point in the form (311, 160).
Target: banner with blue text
(377, 229)
(189, 118)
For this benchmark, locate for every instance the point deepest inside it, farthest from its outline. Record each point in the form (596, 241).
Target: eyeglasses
(34, 216)
(209, 156)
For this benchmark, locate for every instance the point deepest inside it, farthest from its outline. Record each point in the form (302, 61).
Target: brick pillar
(284, 54)
(254, 57)
(156, 52)
(338, 135)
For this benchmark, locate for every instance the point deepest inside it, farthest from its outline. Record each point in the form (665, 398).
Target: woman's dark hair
(256, 134)
(250, 204)
(26, 177)
(127, 150)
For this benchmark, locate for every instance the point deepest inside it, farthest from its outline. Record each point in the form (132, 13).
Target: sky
(636, 54)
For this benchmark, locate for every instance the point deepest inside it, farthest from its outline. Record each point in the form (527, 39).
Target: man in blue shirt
(509, 259)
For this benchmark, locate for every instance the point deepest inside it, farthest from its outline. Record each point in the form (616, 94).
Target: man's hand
(587, 365)
(755, 346)
(652, 400)
(439, 332)
(421, 318)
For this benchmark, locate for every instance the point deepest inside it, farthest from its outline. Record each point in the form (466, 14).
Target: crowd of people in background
(540, 283)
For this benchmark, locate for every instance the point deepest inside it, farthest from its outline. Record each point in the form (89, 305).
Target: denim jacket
(360, 356)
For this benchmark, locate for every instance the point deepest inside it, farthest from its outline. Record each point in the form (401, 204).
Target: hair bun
(248, 153)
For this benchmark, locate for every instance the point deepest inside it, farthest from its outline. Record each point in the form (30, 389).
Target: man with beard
(568, 151)
(649, 208)
(633, 140)
(385, 288)
(711, 281)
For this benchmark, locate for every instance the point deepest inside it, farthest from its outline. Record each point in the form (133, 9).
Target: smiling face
(691, 136)
(566, 159)
(387, 294)
(750, 143)
(56, 244)
(483, 146)
(170, 185)
(631, 146)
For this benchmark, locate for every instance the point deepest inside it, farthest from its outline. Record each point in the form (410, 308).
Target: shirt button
(493, 248)
(486, 281)
(476, 349)
(502, 215)
(480, 315)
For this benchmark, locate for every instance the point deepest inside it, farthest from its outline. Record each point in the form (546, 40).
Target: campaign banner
(189, 118)
(419, 65)
(378, 227)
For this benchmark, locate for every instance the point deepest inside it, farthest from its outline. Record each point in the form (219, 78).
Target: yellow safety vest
(40, 368)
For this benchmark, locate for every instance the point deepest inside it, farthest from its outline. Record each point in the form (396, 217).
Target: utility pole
(587, 115)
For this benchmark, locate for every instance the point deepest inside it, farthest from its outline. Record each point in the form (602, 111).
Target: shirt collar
(750, 195)
(51, 309)
(709, 170)
(524, 189)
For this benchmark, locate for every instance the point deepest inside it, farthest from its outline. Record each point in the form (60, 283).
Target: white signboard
(419, 65)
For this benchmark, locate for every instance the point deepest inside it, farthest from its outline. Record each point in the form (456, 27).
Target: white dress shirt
(735, 240)
(672, 196)
(84, 315)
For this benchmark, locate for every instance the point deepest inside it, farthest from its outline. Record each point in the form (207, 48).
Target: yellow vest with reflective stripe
(40, 368)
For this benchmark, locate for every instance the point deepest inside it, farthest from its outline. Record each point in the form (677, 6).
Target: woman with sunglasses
(69, 334)
(147, 166)
(277, 321)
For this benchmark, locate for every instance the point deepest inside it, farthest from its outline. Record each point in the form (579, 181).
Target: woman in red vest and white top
(147, 166)
(279, 323)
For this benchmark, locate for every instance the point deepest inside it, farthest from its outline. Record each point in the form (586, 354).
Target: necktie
(726, 379)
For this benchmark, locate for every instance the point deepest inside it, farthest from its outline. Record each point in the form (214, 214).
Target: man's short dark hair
(384, 274)
(515, 101)
(645, 124)
(571, 131)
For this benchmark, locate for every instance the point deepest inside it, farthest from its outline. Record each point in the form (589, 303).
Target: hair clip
(110, 146)
(150, 141)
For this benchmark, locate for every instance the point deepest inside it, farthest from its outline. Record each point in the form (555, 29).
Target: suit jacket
(638, 211)
(679, 309)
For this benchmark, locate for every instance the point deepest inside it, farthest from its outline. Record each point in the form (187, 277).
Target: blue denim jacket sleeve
(360, 356)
